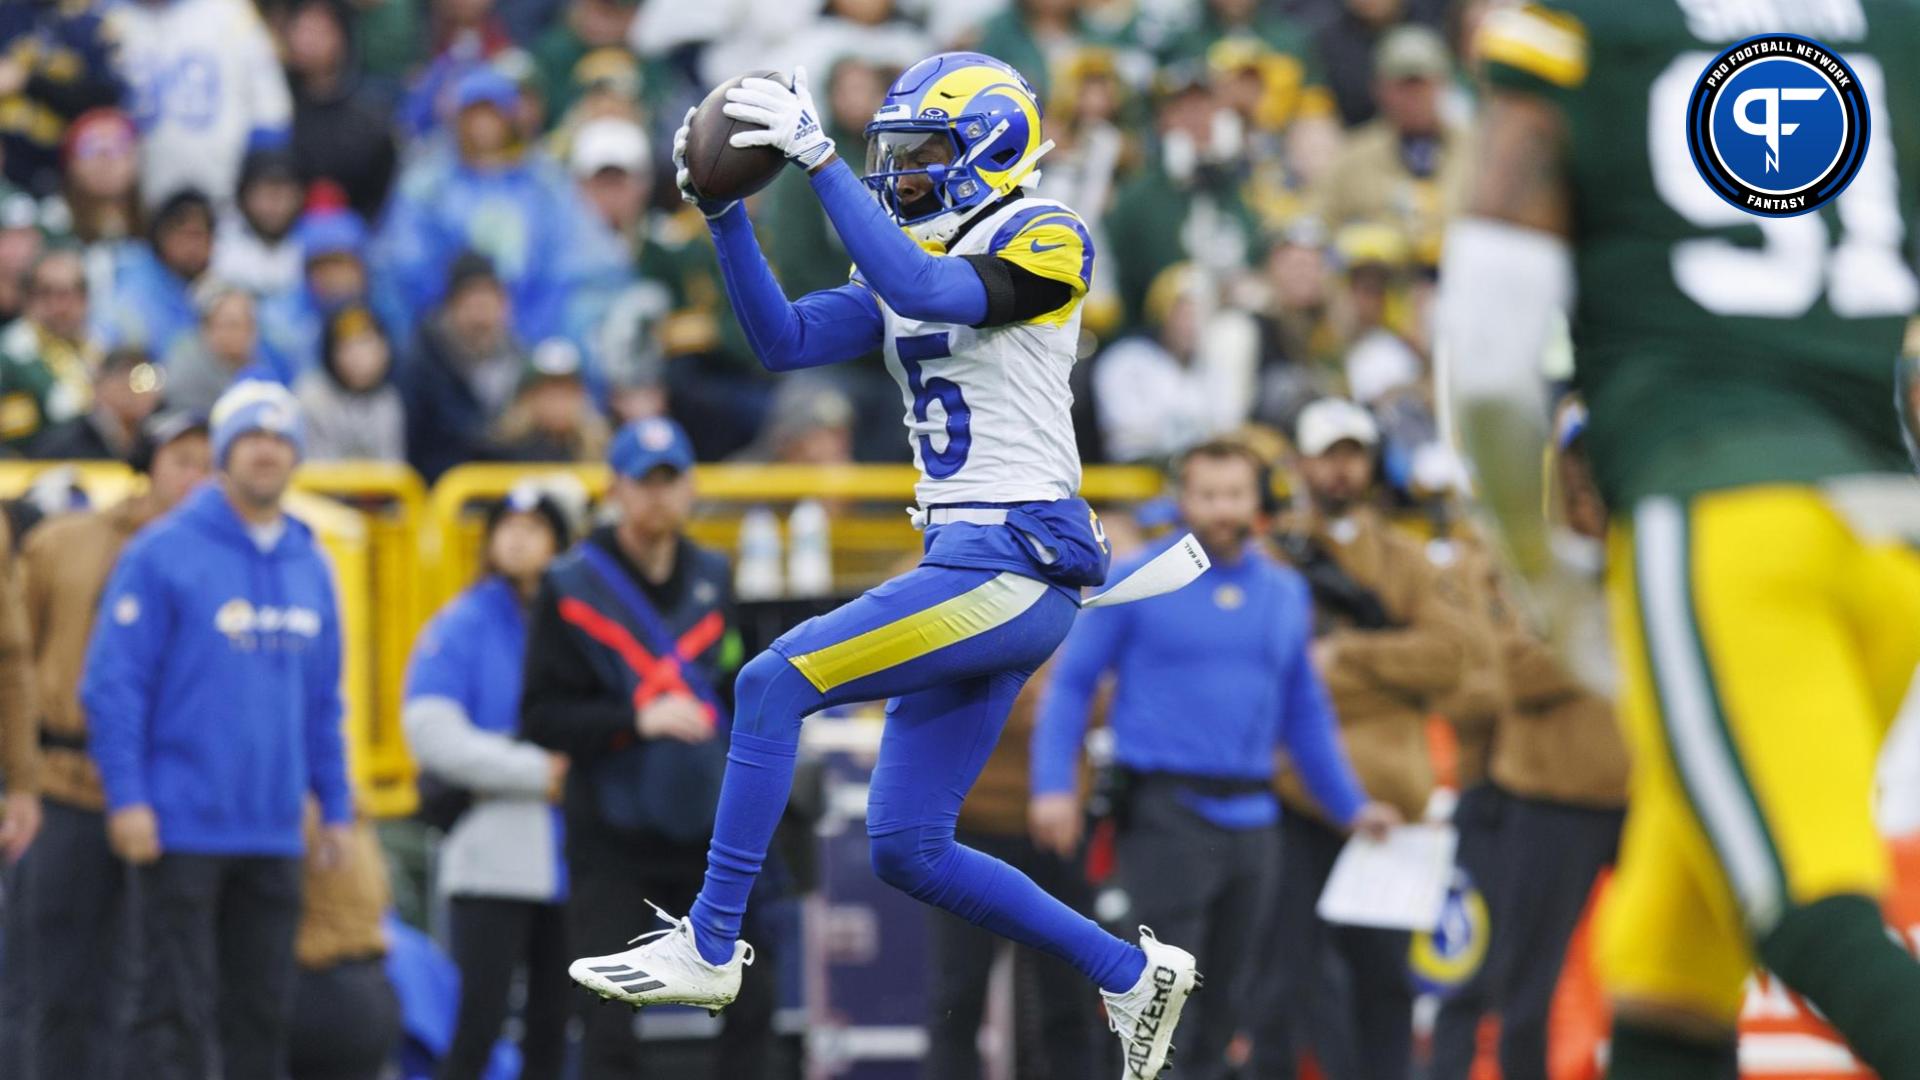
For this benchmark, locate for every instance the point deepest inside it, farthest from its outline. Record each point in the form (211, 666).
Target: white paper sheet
(1399, 883)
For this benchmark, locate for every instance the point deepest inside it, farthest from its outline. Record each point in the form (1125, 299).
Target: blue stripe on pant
(950, 650)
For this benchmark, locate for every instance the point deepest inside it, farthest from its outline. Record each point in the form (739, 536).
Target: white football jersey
(204, 78)
(989, 410)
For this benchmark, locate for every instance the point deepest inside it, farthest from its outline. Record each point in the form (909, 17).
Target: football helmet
(967, 123)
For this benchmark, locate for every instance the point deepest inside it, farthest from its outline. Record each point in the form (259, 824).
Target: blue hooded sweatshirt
(212, 683)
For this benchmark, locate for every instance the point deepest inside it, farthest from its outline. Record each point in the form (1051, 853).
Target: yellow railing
(391, 501)
(401, 550)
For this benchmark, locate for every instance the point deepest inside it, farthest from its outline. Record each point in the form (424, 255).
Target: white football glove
(788, 119)
(684, 180)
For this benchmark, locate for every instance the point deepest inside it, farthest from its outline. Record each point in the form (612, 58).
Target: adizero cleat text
(1146, 1016)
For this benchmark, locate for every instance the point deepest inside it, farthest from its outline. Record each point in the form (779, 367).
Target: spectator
(227, 349)
(341, 130)
(47, 357)
(1196, 847)
(332, 241)
(390, 36)
(874, 30)
(467, 38)
(1346, 36)
(490, 196)
(1556, 785)
(1186, 378)
(346, 1013)
(501, 862)
(126, 390)
(810, 423)
(254, 248)
(206, 88)
(1300, 345)
(610, 83)
(353, 410)
(1031, 35)
(1251, 22)
(462, 374)
(636, 303)
(1184, 205)
(1402, 168)
(152, 298)
(22, 242)
(585, 28)
(59, 64)
(1085, 117)
(100, 166)
(1058, 1043)
(636, 589)
(74, 899)
(552, 417)
(1387, 647)
(1377, 359)
(212, 688)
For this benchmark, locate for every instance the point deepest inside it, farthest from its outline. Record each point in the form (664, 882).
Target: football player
(1738, 373)
(971, 286)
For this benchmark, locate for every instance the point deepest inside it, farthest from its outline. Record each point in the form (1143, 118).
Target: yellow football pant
(1764, 649)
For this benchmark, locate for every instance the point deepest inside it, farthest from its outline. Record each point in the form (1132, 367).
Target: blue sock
(752, 798)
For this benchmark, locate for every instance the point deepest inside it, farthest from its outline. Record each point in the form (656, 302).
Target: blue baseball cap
(644, 445)
(333, 231)
(486, 85)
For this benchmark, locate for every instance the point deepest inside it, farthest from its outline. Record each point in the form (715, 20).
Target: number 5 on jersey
(913, 350)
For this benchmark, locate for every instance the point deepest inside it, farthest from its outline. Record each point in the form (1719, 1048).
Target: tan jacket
(66, 563)
(19, 737)
(1384, 683)
(1368, 183)
(1561, 743)
(344, 903)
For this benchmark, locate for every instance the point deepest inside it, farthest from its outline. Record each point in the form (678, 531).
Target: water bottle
(809, 551)
(757, 574)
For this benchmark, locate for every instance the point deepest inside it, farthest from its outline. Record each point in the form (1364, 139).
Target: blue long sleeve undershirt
(823, 327)
(914, 283)
(832, 325)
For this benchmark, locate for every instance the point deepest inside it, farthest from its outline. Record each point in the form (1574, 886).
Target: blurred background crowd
(450, 226)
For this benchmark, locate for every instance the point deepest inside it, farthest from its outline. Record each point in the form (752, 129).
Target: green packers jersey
(1716, 348)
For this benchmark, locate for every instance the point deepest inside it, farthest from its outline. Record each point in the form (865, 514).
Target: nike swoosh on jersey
(1036, 247)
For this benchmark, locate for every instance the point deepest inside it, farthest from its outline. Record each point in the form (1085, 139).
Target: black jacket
(345, 135)
(447, 423)
(569, 706)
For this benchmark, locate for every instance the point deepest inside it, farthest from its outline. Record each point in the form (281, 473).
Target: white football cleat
(664, 969)
(1145, 1016)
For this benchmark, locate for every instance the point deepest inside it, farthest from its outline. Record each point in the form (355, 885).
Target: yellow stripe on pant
(1764, 649)
(993, 603)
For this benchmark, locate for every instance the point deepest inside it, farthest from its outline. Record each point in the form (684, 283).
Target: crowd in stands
(446, 224)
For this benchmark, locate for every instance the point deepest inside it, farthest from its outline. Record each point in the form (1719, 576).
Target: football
(719, 170)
